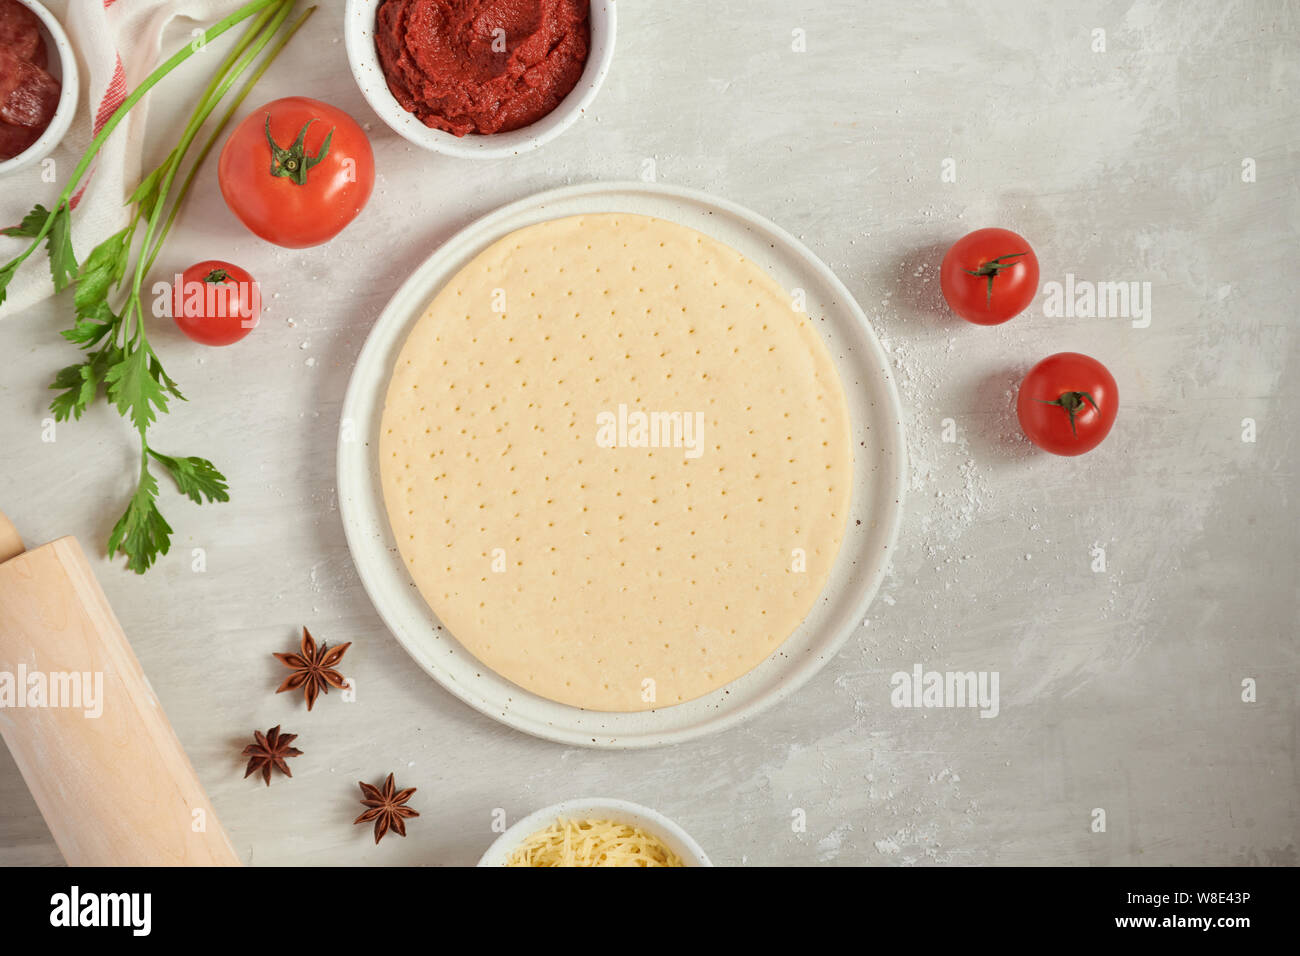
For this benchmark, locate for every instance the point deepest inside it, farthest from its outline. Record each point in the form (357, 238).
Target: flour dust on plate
(616, 461)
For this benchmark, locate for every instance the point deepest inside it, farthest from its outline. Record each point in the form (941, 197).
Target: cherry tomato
(297, 171)
(989, 275)
(216, 303)
(1067, 403)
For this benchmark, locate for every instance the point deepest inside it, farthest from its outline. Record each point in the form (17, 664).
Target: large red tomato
(297, 171)
(989, 275)
(1067, 403)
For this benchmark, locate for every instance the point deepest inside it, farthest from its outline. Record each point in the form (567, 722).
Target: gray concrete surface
(1169, 158)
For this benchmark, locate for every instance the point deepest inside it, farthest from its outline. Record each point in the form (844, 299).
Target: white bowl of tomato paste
(38, 83)
(479, 80)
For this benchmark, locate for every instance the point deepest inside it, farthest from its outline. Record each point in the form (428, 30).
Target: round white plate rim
(595, 808)
(357, 479)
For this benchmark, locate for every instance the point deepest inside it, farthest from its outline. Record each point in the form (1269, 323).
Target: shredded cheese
(593, 843)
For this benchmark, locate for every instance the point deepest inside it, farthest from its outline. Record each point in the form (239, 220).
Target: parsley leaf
(69, 381)
(146, 194)
(141, 534)
(163, 379)
(91, 326)
(197, 478)
(134, 389)
(29, 228)
(88, 331)
(65, 406)
(6, 275)
(68, 377)
(102, 270)
(31, 225)
(81, 383)
(63, 262)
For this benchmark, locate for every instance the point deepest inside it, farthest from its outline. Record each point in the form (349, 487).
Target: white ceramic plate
(879, 463)
(598, 808)
(359, 37)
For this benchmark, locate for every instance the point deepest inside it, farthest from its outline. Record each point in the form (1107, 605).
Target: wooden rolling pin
(115, 789)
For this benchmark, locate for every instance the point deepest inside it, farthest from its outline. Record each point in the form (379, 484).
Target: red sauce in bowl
(28, 94)
(482, 66)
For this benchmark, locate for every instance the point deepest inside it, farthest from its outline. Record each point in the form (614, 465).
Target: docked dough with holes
(645, 571)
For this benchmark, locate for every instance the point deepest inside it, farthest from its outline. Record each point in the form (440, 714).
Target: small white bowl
(597, 808)
(63, 67)
(359, 36)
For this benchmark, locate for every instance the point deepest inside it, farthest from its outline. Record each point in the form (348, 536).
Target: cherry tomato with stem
(216, 302)
(1067, 403)
(989, 276)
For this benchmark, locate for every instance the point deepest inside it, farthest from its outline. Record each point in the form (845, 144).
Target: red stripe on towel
(112, 101)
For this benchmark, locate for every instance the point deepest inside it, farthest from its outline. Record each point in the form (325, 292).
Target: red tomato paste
(482, 66)
(28, 95)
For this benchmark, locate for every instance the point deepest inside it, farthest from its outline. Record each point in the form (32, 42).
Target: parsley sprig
(117, 359)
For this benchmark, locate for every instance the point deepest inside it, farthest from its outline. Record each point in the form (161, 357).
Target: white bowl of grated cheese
(619, 831)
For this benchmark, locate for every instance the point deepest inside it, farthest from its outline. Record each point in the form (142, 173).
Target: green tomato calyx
(989, 270)
(294, 163)
(1073, 402)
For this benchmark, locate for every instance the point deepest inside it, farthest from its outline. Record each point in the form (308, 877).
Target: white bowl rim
(359, 17)
(70, 82)
(645, 817)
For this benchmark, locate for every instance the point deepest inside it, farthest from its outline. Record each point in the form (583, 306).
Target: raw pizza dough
(582, 556)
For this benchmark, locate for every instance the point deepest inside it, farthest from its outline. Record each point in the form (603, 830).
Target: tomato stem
(1072, 402)
(294, 163)
(990, 270)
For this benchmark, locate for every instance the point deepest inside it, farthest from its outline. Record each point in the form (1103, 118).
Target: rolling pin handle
(11, 544)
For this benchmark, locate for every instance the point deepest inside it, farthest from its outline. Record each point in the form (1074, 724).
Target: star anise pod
(270, 751)
(386, 807)
(313, 668)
